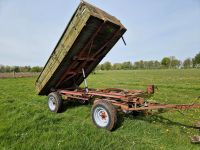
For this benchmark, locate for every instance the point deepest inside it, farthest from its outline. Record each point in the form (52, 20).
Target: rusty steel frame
(126, 100)
(90, 57)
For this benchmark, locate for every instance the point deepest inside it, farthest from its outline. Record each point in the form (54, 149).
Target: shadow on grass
(120, 120)
(71, 104)
(157, 118)
(154, 117)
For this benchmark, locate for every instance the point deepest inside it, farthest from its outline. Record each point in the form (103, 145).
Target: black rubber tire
(57, 102)
(111, 111)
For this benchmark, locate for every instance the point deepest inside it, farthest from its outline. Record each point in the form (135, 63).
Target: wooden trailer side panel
(88, 37)
(77, 23)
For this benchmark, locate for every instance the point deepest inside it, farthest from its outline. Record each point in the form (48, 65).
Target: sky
(30, 29)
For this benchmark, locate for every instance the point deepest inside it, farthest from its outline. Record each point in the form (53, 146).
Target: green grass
(26, 122)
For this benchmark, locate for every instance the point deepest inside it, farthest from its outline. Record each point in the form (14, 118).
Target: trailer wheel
(54, 102)
(104, 115)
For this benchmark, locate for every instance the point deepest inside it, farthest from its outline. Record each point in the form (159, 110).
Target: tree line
(165, 63)
(7, 69)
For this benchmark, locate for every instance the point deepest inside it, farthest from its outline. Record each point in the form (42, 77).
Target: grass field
(26, 122)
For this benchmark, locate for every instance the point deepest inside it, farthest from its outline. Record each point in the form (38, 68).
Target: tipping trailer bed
(88, 37)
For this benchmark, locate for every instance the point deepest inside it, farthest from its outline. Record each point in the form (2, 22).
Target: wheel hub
(101, 116)
(52, 103)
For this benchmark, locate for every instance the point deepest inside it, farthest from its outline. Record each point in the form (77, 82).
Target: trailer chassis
(107, 102)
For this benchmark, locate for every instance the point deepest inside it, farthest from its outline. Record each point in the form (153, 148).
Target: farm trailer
(88, 37)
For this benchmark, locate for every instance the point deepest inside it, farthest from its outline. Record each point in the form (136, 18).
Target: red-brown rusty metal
(150, 89)
(85, 55)
(128, 100)
(163, 106)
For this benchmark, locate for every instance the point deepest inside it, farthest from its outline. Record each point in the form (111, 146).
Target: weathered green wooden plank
(83, 25)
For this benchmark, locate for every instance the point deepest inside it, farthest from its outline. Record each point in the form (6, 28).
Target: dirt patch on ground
(18, 75)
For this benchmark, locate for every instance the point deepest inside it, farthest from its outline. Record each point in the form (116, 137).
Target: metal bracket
(85, 81)
(123, 40)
